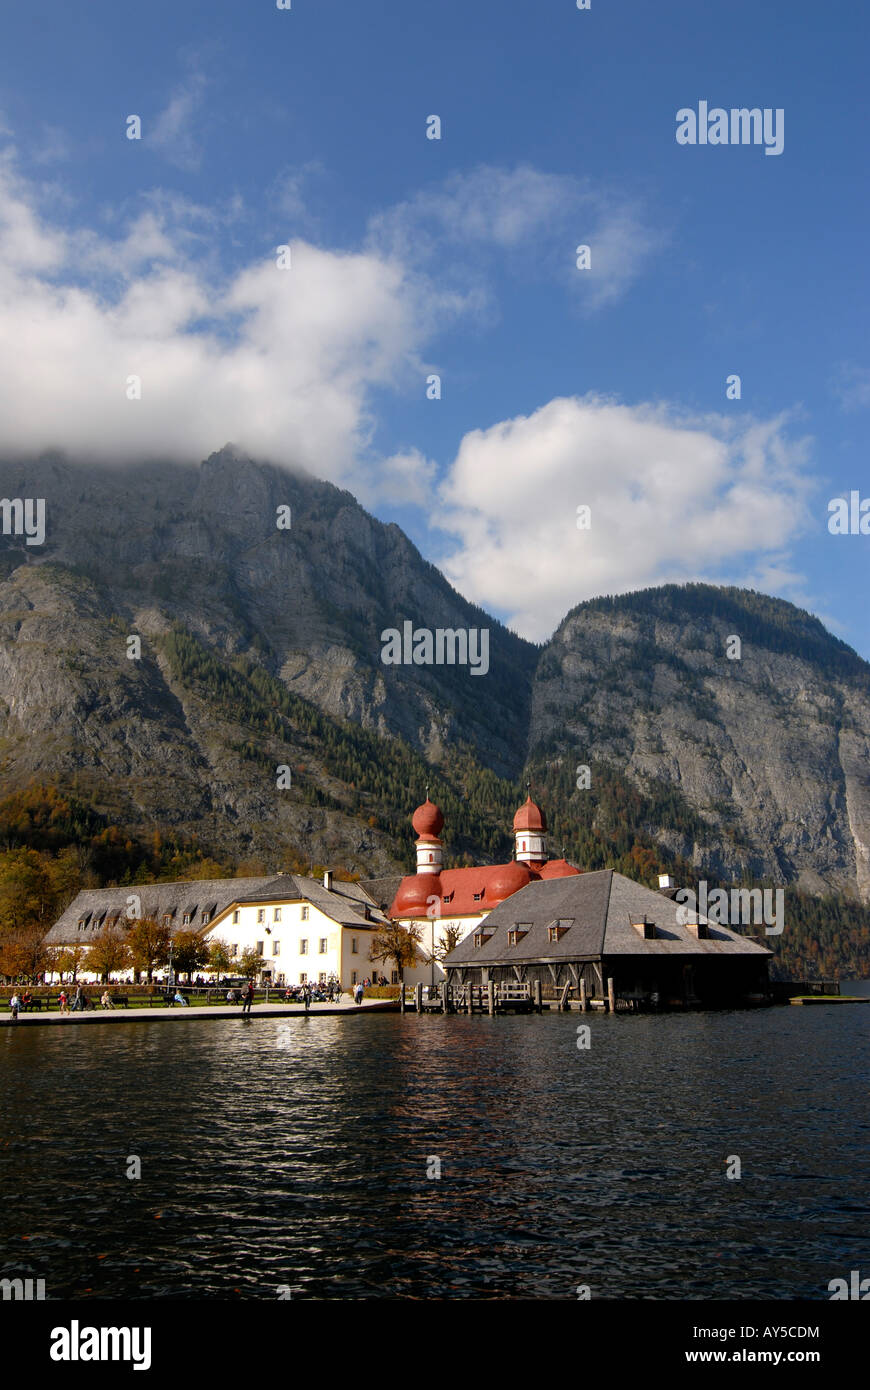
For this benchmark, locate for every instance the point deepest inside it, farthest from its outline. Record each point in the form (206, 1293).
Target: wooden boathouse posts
(583, 1004)
(418, 998)
(490, 997)
(471, 998)
(611, 995)
(539, 997)
(401, 998)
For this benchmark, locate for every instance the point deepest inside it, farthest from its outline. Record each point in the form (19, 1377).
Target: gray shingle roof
(382, 890)
(601, 907)
(346, 903)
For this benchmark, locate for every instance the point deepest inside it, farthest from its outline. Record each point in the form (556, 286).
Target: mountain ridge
(261, 648)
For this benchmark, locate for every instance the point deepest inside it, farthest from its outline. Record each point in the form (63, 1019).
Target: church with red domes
(436, 898)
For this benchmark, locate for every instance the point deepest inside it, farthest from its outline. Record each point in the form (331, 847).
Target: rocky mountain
(766, 749)
(261, 649)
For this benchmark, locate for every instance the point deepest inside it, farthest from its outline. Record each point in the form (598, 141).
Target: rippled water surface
(304, 1163)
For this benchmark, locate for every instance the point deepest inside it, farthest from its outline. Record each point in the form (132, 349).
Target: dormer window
(185, 921)
(481, 937)
(516, 934)
(478, 896)
(448, 897)
(558, 928)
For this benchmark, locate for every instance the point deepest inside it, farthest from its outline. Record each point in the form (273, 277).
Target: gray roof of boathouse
(596, 910)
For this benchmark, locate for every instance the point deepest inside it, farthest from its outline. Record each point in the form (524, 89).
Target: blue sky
(410, 256)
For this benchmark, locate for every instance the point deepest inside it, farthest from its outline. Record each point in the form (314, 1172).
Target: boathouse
(593, 927)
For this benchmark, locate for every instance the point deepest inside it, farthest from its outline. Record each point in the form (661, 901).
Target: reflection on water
(267, 1165)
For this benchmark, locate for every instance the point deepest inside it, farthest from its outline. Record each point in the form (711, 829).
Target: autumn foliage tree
(397, 943)
(189, 951)
(108, 953)
(148, 941)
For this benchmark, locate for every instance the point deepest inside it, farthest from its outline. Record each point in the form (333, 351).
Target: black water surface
(295, 1154)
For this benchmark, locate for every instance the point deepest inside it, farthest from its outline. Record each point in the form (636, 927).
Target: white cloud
(853, 386)
(283, 361)
(535, 219)
(173, 131)
(671, 498)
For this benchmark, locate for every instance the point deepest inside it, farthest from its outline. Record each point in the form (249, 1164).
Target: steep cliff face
(261, 647)
(771, 749)
(148, 551)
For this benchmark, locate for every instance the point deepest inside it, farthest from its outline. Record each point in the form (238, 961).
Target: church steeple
(428, 822)
(530, 827)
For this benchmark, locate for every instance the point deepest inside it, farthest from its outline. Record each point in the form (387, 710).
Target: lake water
(296, 1153)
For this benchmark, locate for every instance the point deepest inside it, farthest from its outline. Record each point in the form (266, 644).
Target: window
(260, 950)
(395, 977)
(322, 977)
(204, 918)
(167, 919)
(303, 978)
(81, 924)
(553, 933)
(276, 915)
(324, 945)
(303, 946)
(236, 916)
(276, 948)
(353, 978)
(519, 931)
(261, 914)
(186, 920)
(305, 914)
(478, 896)
(234, 949)
(354, 945)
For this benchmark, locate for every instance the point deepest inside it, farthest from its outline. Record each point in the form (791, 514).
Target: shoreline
(160, 1013)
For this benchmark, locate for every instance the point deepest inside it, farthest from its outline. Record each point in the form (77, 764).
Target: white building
(305, 930)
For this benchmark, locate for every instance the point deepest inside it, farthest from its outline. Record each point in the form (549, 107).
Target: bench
(37, 1002)
(121, 999)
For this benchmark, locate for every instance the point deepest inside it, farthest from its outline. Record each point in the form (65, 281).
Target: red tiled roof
(464, 892)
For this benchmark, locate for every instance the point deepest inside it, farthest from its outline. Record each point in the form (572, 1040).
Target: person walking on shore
(358, 994)
(63, 1000)
(306, 997)
(249, 998)
(15, 1005)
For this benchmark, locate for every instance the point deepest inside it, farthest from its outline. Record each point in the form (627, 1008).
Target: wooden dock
(501, 998)
(829, 999)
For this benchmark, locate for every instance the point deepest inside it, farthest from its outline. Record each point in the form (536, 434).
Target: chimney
(666, 881)
(327, 878)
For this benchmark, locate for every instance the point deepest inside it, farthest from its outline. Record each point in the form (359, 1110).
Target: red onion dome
(505, 879)
(412, 899)
(427, 819)
(530, 817)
